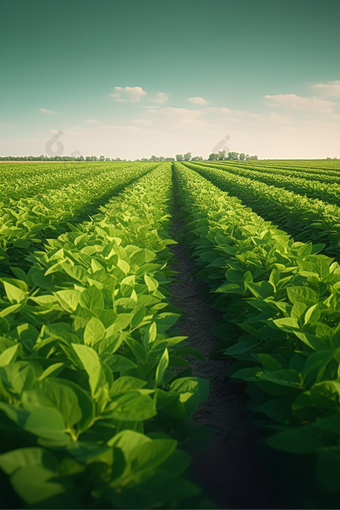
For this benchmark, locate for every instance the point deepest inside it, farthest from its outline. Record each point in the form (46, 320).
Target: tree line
(220, 156)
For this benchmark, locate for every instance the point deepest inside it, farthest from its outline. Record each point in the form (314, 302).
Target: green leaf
(64, 399)
(55, 369)
(315, 367)
(302, 295)
(68, 299)
(120, 363)
(92, 365)
(144, 459)
(305, 439)
(92, 298)
(23, 457)
(313, 314)
(161, 368)
(132, 406)
(15, 291)
(9, 355)
(94, 331)
(286, 377)
(33, 485)
(48, 423)
(150, 335)
(125, 383)
(326, 395)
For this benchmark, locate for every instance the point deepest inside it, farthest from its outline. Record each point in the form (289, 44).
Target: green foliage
(87, 359)
(49, 198)
(306, 219)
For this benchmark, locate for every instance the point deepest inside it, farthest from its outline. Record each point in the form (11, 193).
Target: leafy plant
(91, 410)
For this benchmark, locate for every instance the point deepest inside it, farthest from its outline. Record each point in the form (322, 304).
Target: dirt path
(235, 472)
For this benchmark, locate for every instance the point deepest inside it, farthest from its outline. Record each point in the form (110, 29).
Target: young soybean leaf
(94, 331)
(33, 484)
(64, 399)
(145, 458)
(313, 314)
(150, 335)
(92, 298)
(48, 423)
(132, 406)
(161, 368)
(92, 365)
(22, 457)
(9, 355)
(16, 290)
(120, 363)
(68, 299)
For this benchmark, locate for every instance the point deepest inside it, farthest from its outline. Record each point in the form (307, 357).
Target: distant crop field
(105, 367)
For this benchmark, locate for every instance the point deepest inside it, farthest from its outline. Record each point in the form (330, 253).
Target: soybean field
(170, 334)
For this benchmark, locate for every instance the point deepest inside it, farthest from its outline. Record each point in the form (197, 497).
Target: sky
(136, 78)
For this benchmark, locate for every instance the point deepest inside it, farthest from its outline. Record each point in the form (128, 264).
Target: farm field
(169, 334)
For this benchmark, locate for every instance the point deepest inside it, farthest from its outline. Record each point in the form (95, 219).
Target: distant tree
(197, 158)
(221, 155)
(213, 156)
(101, 158)
(187, 156)
(233, 156)
(88, 158)
(107, 159)
(242, 156)
(179, 157)
(154, 158)
(161, 158)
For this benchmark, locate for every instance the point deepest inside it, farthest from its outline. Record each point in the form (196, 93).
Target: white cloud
(160, 98)
(128, 94)
(43, 110)
(92, 121)
(328, 89)
(294, 102)
(197, 100)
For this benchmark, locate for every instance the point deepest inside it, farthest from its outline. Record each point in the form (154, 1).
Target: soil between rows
(236, 471)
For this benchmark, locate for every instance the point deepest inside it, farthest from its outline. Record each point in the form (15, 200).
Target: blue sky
(131, 79)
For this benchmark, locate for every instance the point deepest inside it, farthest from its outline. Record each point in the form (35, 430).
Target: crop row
(327, 167)
(19, 181)
(284, 301)
(26, 222)
(306, 219)
(312, 188)
(301, 172)
(89, 398)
